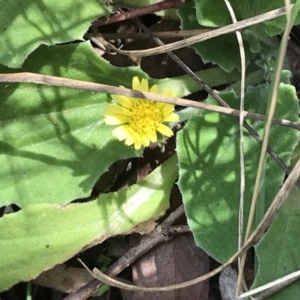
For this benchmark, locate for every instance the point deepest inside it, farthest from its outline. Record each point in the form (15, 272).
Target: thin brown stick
(272, 287)
(150, 9)
(241, 126)
(97, 87)
(160, 34)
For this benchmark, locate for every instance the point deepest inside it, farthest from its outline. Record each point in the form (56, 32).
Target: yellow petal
(153, 137)
(115, 120)
(136, 83)
(123, 100)
(137, 145)
(129, 141)
(154, 89)
(114, 109)
(171, 118)
(169, 93)
(145, 141)
(144, 87)
(165, 130)
(167, 109)
(121, 132)
(132, 136)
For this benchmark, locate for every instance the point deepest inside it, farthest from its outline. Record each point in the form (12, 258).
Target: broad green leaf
(295, 12)
(25, 25)
(222, 50)
(53, 143)
(208, 153)
(185, 85)
(40, 236)
(278, 250)
(214, 13)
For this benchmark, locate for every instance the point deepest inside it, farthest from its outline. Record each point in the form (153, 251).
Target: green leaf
(25, 25)
(53, 142)
(222, 50)
(208, 153)
(185, 85)
(278, 250)
(214, 13)
(40, 236)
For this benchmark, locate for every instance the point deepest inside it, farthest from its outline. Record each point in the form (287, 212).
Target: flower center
(145, 117)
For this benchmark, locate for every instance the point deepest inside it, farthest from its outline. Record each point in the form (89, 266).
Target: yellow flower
(140, 120)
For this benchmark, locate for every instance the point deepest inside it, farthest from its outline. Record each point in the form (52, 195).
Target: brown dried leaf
(173, 262)
(145, 227)
(64, 279)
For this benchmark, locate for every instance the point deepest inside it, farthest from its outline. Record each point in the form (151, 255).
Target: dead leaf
(64, 279)
(173, 262)
(145, 227)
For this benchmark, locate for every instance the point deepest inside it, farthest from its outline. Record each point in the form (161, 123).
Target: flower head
(140, 120)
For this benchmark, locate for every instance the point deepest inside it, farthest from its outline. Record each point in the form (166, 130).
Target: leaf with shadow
(26, 25)
(41, 236)
(208, 154)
